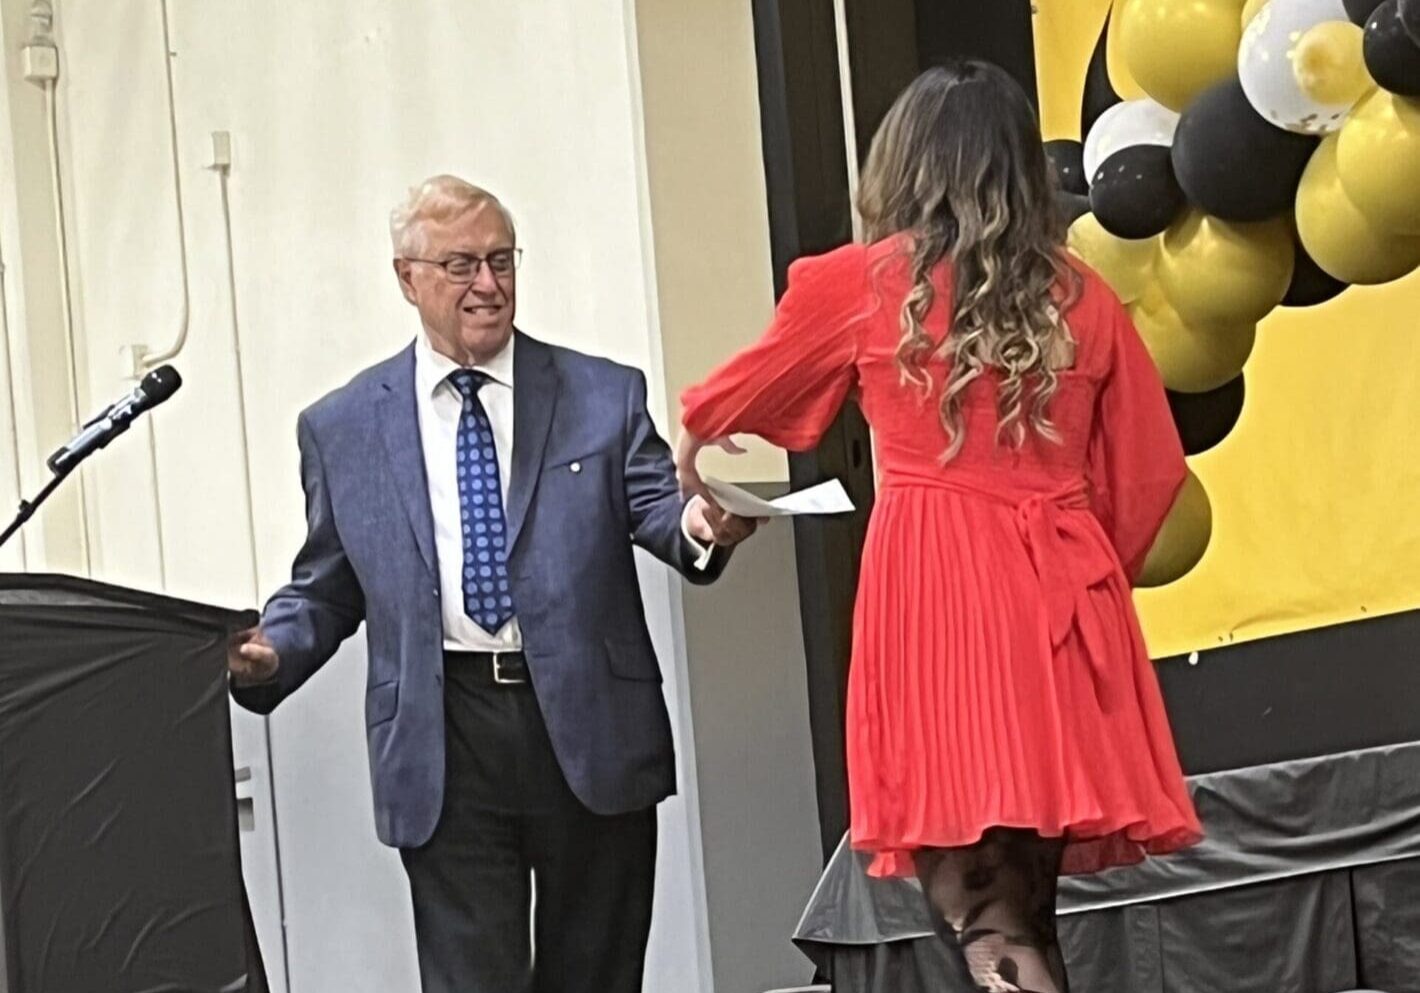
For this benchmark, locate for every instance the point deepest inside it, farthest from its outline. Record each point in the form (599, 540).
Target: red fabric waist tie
(1069, 553)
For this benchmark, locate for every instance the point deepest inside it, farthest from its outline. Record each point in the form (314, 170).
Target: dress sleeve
(788, 387)
(1136, 463)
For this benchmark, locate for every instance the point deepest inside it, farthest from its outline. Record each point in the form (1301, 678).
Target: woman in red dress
(1004, 720)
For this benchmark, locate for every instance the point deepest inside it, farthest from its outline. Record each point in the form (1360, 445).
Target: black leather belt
(492, 668)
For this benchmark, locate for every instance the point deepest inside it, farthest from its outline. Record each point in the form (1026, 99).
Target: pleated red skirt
(980, 697)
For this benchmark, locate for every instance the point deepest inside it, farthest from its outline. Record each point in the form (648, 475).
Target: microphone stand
(28, 507)
(155, 388)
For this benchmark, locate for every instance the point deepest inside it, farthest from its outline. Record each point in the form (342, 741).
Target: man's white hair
(440, 199)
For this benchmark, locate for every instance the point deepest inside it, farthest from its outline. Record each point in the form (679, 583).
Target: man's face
(469, 319)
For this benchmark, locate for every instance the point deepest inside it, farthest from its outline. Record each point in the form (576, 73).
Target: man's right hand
(251, 659)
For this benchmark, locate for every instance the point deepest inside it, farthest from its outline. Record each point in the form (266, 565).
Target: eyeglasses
(463, 268)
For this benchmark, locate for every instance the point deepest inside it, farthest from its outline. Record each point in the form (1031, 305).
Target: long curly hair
(959, 167)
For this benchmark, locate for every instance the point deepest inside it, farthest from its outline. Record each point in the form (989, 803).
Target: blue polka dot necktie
(487, 597)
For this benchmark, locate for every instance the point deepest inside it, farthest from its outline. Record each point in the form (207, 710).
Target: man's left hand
(711, 525)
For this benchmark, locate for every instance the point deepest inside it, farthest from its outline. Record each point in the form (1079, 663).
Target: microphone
(156, 387)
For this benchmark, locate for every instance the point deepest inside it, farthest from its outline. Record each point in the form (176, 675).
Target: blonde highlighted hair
(959, 168)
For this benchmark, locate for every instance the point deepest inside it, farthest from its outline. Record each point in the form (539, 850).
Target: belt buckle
(499, 678)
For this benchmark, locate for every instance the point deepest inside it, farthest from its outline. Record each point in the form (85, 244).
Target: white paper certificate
(825, 498)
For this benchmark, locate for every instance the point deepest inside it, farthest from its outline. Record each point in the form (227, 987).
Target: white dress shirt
(440, 405)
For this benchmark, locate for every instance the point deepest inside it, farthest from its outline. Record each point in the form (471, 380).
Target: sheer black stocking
(996, 902)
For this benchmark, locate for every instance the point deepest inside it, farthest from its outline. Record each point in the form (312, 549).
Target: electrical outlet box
(221, 150)
(39, 63)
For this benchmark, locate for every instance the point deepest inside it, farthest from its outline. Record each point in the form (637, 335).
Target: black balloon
(1067, 158)
(1231, 162)
(1410, 18)
(1360, 11)
(1204, 419)
(1134, 193)
(1100, 94)
(1392, 56)
(1311, 284)
(1072, 206)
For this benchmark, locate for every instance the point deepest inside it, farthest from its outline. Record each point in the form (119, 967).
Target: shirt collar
(432, 368)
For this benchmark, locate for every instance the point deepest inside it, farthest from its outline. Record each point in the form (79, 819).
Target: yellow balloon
(1251, 10)
(1183, 538)
(1176, 49)
(1216, 272)
(1192, 358)
(1124, 264)
(1346, 242)
(1119, 76)
(1378, 160)
(1329, 64)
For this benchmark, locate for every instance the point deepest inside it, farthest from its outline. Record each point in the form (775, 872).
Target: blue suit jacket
(369, 556)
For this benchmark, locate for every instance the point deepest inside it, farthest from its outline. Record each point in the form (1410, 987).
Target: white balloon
(1133, 122)
(1265, 65)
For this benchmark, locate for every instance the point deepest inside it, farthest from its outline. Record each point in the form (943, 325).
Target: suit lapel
(535, 389)
(399, 420)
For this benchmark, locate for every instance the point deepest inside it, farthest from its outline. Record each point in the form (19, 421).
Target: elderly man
(474, 500)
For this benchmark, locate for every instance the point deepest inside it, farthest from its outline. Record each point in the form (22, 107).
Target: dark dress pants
(512, 828)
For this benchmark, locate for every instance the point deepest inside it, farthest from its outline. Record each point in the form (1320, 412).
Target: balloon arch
(1274, 161)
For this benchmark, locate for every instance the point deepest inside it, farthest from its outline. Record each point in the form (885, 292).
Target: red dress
(999, 677)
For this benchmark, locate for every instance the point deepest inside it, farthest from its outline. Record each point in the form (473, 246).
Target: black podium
(119, 861)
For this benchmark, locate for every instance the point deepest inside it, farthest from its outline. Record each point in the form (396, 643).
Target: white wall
(754, 757)
(41, 396)
(707, 203)
(334, 108)
(709, 215)
(13, 555)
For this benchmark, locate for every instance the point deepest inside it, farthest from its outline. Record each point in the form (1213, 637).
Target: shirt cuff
(702, 553)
